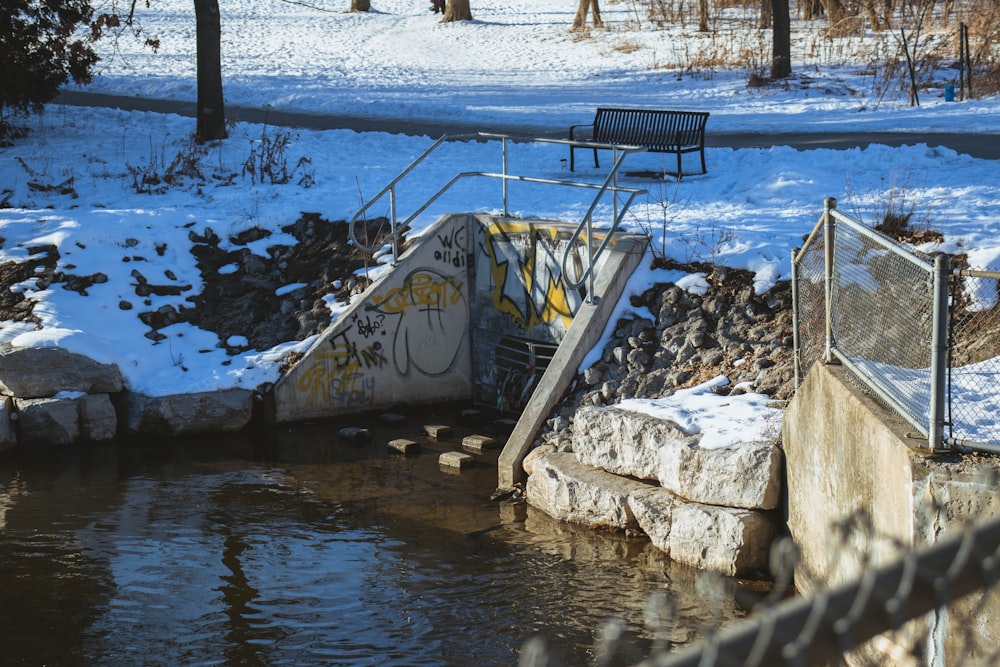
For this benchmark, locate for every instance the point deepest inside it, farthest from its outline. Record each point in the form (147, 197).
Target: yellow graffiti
(421, 290)
(546, 296)
(337, 375)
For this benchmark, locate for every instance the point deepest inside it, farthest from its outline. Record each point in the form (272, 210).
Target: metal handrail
(610, 184)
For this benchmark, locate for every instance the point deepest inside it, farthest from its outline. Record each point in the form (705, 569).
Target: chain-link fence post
(828, 240)
(939, 353)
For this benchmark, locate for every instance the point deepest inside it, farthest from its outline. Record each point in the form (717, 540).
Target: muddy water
(290, 546)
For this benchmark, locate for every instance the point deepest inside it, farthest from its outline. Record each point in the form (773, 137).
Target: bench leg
(596, 163)
(703, 169)
(572, 164)
(679, 172)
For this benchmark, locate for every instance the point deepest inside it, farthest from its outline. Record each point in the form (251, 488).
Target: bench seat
(657, 130)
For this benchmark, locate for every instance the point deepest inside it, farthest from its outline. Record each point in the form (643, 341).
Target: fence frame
(940, 273)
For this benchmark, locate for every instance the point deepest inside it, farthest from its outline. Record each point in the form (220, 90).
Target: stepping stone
(478, 443)
(437, 431)
(355, 434)
(504, 426)
(392, 418)
(456, 460)
(404, 446)
(470, 417)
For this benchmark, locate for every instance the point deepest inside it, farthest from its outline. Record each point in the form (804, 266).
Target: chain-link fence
(933, 606)
(920, 332)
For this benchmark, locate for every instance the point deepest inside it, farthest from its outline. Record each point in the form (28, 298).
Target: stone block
(478, 443)
(98, 418)
(746, 474)
(42, 372)
(437, 431)
(456, 460)
(566, 489)
(404, 446)
(355, 434)
(731, 541)
(8, 433)
(622, 442)
(653, 508)
(183, 414)
(54, 421)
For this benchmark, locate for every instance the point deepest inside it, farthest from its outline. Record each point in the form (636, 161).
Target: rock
(746, 474)
(98, 419)
(41, 372)
(727, 540)
(404, 446)
(53, 421)
(653, 508)
(8, 434)
(566, 489)
(437, 431)
(457, 460)
(622, 442)
(356, 434)
(183, 414)
(478, 443)
(529, 461)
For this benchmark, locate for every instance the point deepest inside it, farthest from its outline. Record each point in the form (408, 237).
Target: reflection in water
(293, 548)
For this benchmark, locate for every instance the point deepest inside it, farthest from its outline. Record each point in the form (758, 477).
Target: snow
(515, 66)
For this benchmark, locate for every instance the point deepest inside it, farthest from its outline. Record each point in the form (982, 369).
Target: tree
(361, 5)
(211, 112)
(40, 50)
(781, 40)
(457, 10)
(580, 20)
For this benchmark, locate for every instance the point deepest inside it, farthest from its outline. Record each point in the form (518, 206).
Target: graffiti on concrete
(526, 269)
(431, 318)
(338, 374)
(452, 249)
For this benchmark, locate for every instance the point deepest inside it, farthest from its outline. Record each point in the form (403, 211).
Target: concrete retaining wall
(848, 458)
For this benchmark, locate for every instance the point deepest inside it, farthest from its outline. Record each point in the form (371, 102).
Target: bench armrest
(573, 132)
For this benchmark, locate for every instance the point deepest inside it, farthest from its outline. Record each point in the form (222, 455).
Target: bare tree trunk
(702, 15)
(580, 20)
(361, 5)
(457, 10)
(211, 113)
(766, 11)
(837, 17)
(781, 40)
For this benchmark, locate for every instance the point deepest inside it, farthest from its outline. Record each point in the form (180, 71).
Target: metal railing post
(503, 150)
(939, 353)
(392, 226)
(829, 229)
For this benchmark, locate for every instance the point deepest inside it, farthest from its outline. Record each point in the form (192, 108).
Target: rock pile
(600, 465)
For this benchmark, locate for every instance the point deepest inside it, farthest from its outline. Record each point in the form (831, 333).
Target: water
(287, 546)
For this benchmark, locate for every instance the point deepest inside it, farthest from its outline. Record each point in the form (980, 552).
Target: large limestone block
(653, 508)
(8, 434)
(98, 419)
(184, 414)
(41, 372)
(566, 489)
(746, 474)
(50, 420)
(623, 442)
(728, 540)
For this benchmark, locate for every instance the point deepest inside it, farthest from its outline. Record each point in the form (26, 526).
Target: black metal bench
(657, 130)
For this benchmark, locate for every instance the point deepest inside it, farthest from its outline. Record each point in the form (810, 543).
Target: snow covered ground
(516, 64)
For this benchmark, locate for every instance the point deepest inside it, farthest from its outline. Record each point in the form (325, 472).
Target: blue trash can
(949, 93)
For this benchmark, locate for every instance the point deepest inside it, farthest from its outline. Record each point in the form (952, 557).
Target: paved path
(977, 145)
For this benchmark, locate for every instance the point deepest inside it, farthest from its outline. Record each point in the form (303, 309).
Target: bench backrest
(652, 128)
